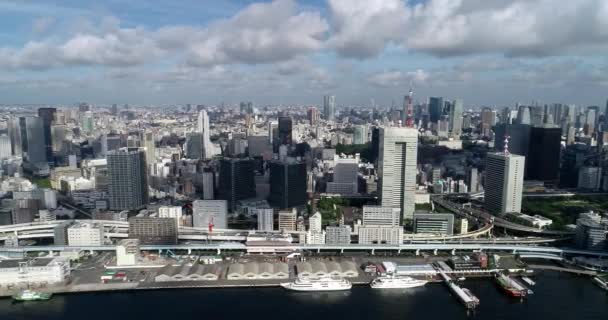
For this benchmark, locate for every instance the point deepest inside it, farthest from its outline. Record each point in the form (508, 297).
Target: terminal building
(38, 271)
(434, 223)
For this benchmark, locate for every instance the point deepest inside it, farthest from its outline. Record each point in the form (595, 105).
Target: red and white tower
(409, 122)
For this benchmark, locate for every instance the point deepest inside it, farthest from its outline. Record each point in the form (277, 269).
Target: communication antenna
(506, 147)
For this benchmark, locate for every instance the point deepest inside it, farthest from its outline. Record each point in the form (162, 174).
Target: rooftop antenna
(506, 147)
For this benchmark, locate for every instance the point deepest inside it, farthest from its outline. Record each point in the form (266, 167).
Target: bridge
(235, 246)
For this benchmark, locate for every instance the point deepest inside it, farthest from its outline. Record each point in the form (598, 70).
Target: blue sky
(488, 52)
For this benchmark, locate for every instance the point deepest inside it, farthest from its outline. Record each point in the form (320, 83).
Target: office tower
(5, 147)
(150, 145)
(589, 178)
(456, 117)
(204, 128)
(536, 115)
(435, 108)
(397, 168)
(488, 119)
(174, 212)
(258, 146)
(591, 232)
(153, 231)
(272, 128)
(210, 212)
(360, 134)
(434, 223)
(519, 138)
(313, 116)
(287, 184)
(32, 139)
(285, 130)
(194, 145)
(265, 219)
(25, 210)
(88, 122)
(473, 180)
(590, 121)
(337, 235)
(542, 162)
(208, 185)
(14, 132)
(287, 220)
(504, 182)
(329, 108)
(236, 181)
(48, 118)
(84, 107)
(114, 109)
(128, 179)
(523, 115)
(58, 140)
(381, 216)
(345, 180)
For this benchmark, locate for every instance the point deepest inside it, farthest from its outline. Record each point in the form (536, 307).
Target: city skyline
(287, 51)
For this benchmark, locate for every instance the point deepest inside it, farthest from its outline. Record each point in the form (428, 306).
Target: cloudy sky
(489, 52)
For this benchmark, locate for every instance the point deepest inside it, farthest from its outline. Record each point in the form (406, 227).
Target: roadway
(235, 246)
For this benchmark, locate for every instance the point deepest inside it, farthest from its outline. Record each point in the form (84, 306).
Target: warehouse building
(345, 269)
(258, 271)
(188, 272)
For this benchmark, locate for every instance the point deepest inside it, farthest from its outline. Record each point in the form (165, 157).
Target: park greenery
(364, 150)
(564, 210)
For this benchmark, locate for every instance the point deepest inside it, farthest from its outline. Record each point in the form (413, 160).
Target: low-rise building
(127, 252)
(337, 235)
(33, 271)
(85, 234)
(434, 223)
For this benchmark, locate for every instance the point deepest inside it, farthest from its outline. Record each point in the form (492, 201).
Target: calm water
(557, 296)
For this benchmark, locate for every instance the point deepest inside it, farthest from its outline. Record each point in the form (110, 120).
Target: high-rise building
(504, 182)
(33, 139)
(14, 132)
(397, 168)
(456, 117)
(591, 232)
(114, 109)
(488, 119)
(207, 212)
(360, 134)
(523, 115)
(287, 184)
(204, 128)
(315, 234)
(542, 162)
(313, 116)
(5, 147)
(285, 130)
(174, 212)
(589, 178)
(208, 185)
(236, 180)
(287, 220)
(150, 145)
(128, 179)
(48, 118)
(435, 108)
(153, 231)
(329, 108)
(265, 219)
(194, 145)
(345, 180)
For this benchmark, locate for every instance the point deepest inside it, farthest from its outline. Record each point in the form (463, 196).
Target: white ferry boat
(318, 284)
(396, 282)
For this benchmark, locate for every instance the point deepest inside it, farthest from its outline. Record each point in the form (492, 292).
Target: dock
(465, 296)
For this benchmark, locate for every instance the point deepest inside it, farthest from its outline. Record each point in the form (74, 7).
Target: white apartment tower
(504, 182)
(397, 168)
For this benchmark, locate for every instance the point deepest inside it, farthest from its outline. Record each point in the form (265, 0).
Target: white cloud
(397, 78)
(460, 27)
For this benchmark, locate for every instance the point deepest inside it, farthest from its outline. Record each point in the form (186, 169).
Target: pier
(465, 296)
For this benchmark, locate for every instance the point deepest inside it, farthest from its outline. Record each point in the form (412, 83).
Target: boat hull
(291, 287)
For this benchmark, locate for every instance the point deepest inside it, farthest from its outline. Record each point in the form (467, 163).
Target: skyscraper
(236, 180)
(519, 138)
(435, 108)
(523, 115)
(313, 116)
(287, 184)
(32, 139)
(285, 130)
(488, 119)
(128, 179)
(456, 117)
(194, 145)
(329, 108)
(542, 162)
(150, 145)
(203, 127)
(48, 118)
(504, 182)
(360, 134)
(265, 219)
(397, 168)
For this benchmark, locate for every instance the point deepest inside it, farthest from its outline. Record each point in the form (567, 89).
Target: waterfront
(557, 296)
